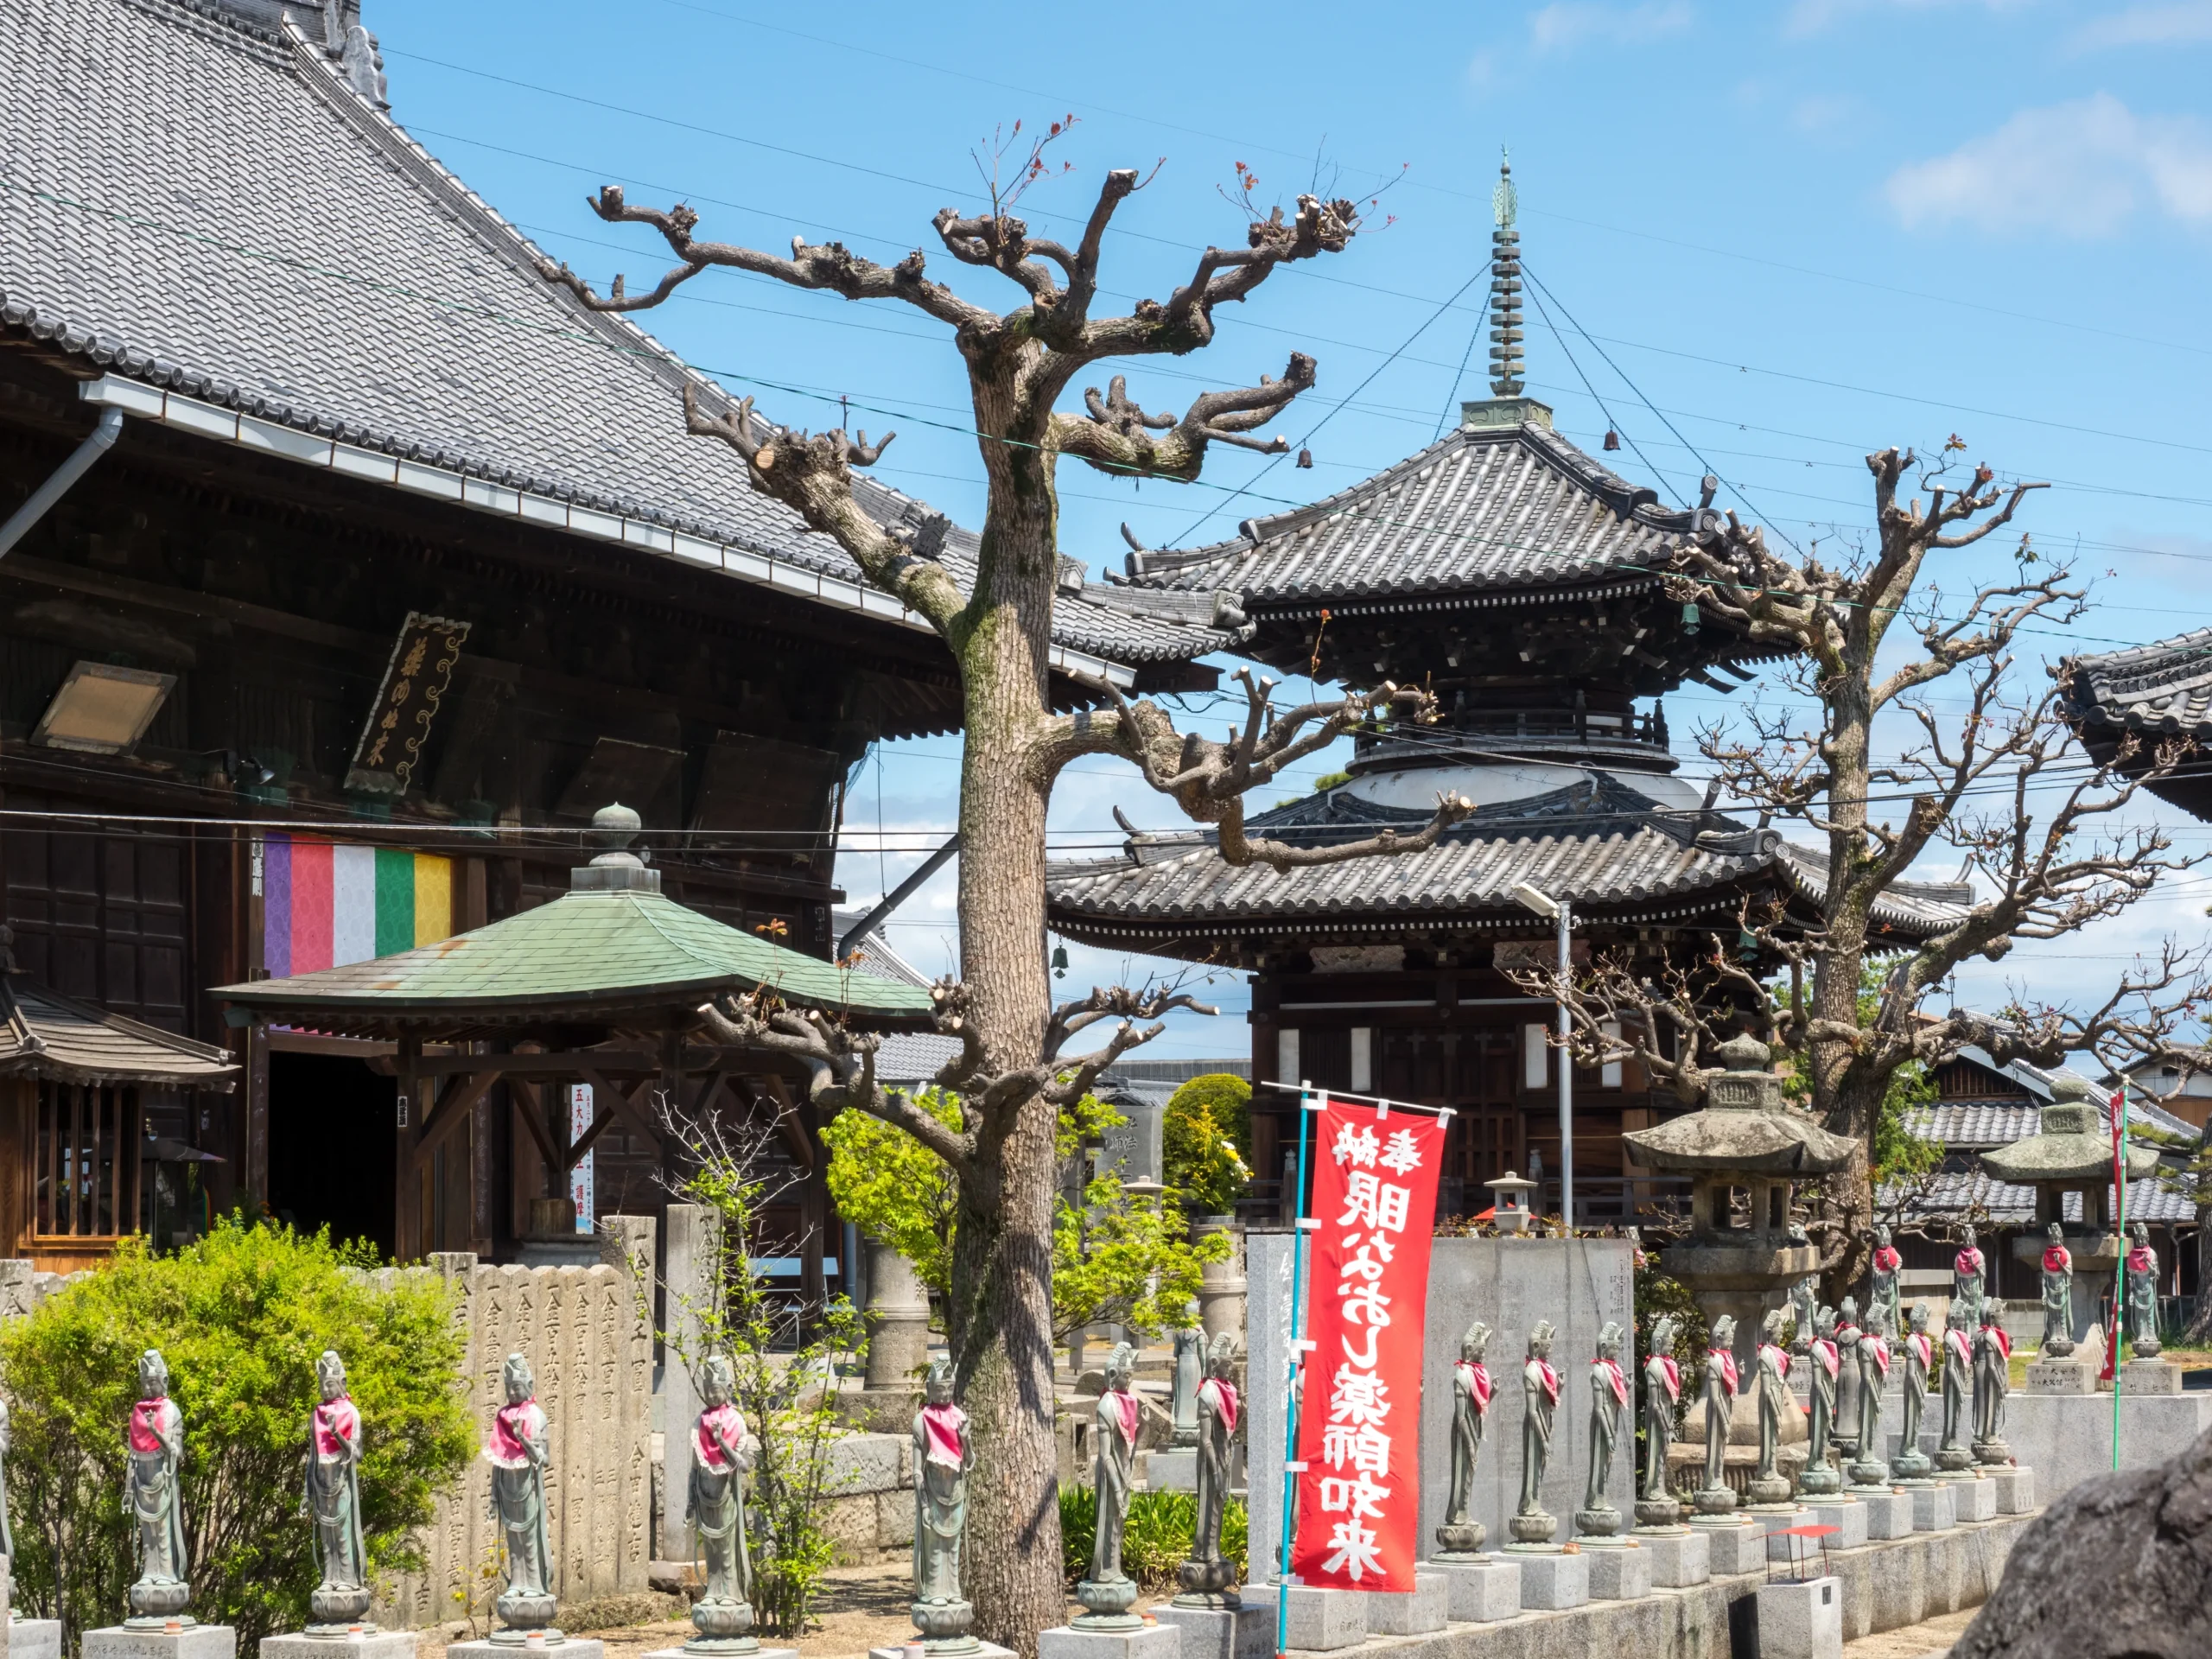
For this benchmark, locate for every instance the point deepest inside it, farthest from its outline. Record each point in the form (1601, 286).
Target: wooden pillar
(407, 1209)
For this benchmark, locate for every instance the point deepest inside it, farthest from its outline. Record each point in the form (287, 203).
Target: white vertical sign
(580, 1117)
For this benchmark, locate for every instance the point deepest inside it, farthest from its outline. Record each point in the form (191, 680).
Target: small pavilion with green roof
(603, 985)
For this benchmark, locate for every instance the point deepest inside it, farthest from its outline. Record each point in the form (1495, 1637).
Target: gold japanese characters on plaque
(415, 683)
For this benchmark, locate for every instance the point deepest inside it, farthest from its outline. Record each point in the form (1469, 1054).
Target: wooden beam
(584, 1141)
(523, 1097)
(461, 1095)
(562, 1065)
(789, 1124)
(632, 1104)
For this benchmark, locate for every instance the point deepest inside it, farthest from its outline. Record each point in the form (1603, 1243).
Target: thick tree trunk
(1003, 1272)
(2199, 1325)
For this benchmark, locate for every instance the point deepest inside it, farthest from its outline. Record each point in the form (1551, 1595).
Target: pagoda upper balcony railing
(1617, 736)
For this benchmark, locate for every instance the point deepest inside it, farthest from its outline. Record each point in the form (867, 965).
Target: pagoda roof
(2161, 689)
(1484, 509)
(282, 267)
(587, 956)
(1612, 852)
(46, 1034)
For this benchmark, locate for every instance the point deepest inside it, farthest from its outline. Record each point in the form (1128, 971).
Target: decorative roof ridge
(2141, 668)
(214, 22)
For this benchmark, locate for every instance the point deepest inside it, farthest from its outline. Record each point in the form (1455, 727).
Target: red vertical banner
(1359, 1413)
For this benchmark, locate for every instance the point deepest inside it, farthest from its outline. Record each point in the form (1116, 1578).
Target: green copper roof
(589, 951)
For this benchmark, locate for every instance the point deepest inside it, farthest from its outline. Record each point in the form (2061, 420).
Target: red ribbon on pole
(1359, 1413)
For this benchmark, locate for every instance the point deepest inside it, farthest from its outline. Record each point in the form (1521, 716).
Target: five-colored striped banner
(325, 904)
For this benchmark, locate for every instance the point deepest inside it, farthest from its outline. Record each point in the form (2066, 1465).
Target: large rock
(2119, 1568)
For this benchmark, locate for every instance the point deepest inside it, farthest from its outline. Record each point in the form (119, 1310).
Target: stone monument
(1769, 1487)
(1532, 1527)
(153, 1457)
(1992, 1382)
(1107, 1594)
(1657, 1510)
(1460, 1537)
(897, 1320)
(1209, 1579)
(1821, 1478)
(1715, 1498)
(1911, 1464)
(944, 1453)
(2058, 1339)
(1597, 1521)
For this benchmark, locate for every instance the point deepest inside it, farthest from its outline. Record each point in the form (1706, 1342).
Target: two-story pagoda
(1518, 577)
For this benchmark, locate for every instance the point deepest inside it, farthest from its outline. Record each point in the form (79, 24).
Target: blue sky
(1800, 231)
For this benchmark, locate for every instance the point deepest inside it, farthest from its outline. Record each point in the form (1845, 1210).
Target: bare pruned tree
(2001, 783)
(1023, 365)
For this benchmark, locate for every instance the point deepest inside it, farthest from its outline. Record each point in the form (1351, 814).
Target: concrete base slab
(1172, 1471)
(2149, 1376)
(1678, 1559)
(1800, 1621)
(2016, 1490)
(983, 1649)
(1480, 1593)
(298, 1644)
(1889, 1514)
(1619, 1571)
(1246, 1633)
(1412, 1612)
(1318, 1620)
(1739, 1547)
(1974, 1500)
(1849, 1521)
(576, 1647)
(1146, 1642)
(194, 1642)
(34, 1638)
(1932, 1508)
(1552, 1583)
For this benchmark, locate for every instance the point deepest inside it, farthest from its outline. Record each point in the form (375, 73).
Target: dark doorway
(333, 1147)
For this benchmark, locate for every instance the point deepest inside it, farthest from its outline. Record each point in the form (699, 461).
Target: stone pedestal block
(1482, 1591)
(384, 1644)
(2016, 1490)
(983, 1649)
(1974, 1500)
(2149, 1376)
(1678, 1559)
(1552, 1580)
(1849, 1520)
(1889, 1514)
(1617, 1572)
(34, 1638)
(1146, 1642)
(1318, 1620)
(1800, 1621)
(1414, 1612)
(194, 1642)
(572, 1647)
(1245, 1632)
(1933, 1510)
(2068, 1375)
(1738, 1546)
(1172, 1471)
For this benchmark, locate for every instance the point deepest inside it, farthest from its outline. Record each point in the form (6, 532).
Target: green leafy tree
(241, 1316)
(1125, 1259)
(893, 1188)
(1206, 1142)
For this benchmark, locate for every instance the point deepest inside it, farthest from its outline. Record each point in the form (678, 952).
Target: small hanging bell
(1612, 439)
(1306, 460)
(1691, 618)
(1059, 962)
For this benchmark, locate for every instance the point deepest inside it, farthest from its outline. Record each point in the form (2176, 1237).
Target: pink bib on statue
(716, 1424)
(336, 1424)
(1224, 1395)
(511, 1425)
(1610, 1370)
(1476, 1375)
(941, 1433)
(1727, 1372)
(1124, 1405)
(147, 1419)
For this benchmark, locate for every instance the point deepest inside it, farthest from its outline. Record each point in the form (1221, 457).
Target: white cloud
(1812, 16)
(2188, 23)
(1567, 24)
(2082, 169)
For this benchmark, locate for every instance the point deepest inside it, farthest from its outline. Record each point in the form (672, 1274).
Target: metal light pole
(1557, 910)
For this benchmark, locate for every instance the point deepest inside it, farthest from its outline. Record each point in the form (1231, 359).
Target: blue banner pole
(1308, 1103)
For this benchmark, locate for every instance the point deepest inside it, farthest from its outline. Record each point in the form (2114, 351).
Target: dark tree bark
(1013, 1075)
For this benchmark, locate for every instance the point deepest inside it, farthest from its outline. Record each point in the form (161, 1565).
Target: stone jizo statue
(1656, 1505)
(332, 1500)
(2057, 1294)
(1952, 1455)
(1108, 1593)
(944, 1453)
(1821, 1477)
(1539, 1393)
(1804, 1306)
(1460, 1537)
(1190, 1371)
(1910, 1462)
(7, 1444)
(2140, 1270)
(1966, 1270)
(1209, 1579)
(519, 1458)
(155, 1448)
(1871, 1353)
(1883, 1295)
(1769, 1485)
(1609, 1417)
(722, 1449)
(1715, 1497)
(1992, 1382)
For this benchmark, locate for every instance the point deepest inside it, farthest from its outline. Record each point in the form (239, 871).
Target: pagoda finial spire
(1505, 365)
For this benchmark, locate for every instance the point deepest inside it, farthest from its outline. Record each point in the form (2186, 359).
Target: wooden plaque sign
(415, 683)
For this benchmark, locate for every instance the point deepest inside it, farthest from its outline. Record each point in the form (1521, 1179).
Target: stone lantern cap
(2072, 1144)
(1511, 1189)
(1745, 1125)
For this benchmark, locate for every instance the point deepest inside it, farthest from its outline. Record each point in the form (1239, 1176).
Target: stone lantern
(2071, 1152)
(1747, 1143)
(1509, 1202)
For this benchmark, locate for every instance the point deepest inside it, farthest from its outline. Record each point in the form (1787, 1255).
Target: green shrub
(1079, 1529)
(1206, 1143)
(1237, 1534)
(1156, 1541)
(241, 1317)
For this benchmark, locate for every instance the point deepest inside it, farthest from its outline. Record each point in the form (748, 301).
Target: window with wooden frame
(85, 1145)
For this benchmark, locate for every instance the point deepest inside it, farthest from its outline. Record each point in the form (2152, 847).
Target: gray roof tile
(2164, 688)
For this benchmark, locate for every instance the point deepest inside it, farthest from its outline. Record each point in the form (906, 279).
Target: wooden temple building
(1516, 576)
(346, 569)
